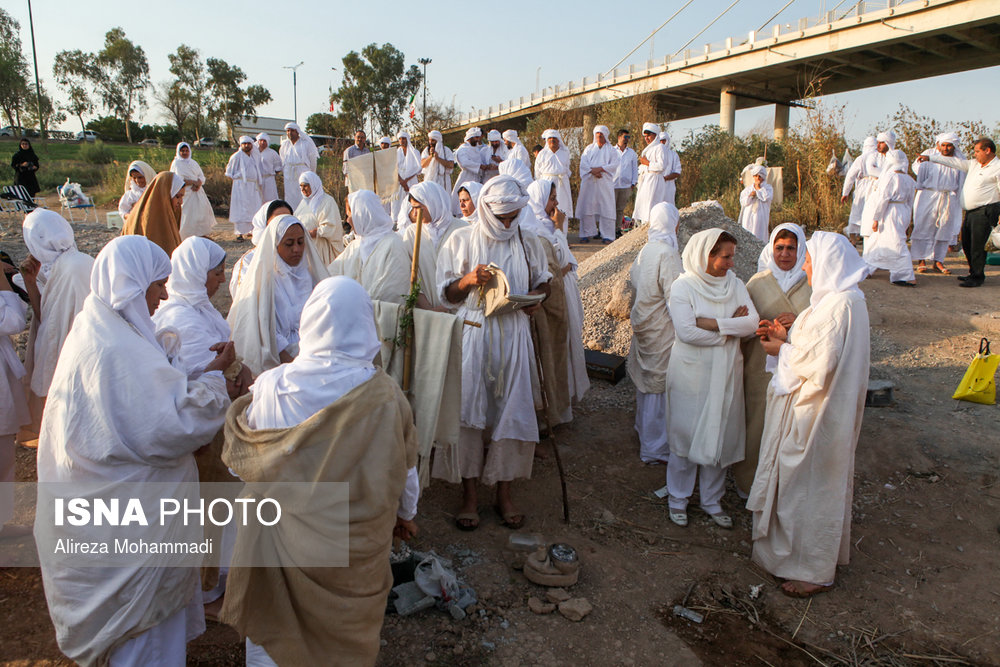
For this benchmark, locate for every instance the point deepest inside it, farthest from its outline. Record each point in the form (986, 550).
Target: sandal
(679, 517)
(941, 268)
(793, 591)
(513, 520)
(922, 269)
(722, 520)
(467, 521)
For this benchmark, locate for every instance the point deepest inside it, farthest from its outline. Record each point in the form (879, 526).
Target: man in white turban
(552, 164)
(493, 153)
(861, 182)
(298, 154)
(875, 161)
(497, 358)
(755, 203)
(245, 195)
(384, 143)
(890, 206)
(269, 163)
(595, 207)
(407, 170)
(469, 159)
(515, 148)
(652, 187)
(437, 160)
(937, 210)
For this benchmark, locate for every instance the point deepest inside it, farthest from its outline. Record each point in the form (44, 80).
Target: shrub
(96, 153)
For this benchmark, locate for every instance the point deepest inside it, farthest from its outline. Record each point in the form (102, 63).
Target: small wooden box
(603, 366)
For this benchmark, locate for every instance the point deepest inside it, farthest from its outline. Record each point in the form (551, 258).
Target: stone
(575, 609)
(622, 296)
(430, 657)
(557, 595)
(539, 607)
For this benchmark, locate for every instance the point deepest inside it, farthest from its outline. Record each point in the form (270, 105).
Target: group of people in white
(767, 377)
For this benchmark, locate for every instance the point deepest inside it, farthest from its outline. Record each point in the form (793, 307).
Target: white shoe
(722, 520)
(679, 517)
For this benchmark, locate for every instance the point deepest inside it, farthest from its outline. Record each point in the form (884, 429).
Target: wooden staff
(535, 339)
(414, 274)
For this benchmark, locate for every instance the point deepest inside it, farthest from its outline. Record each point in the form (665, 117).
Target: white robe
(435, 171)
(802, 493)
(652, 188)
(295, 159)
(269, 163)
(596, 202)
(385, 273)
(671, 165)
(197, 216)
(705, 376)
(430, 250)
(755, 211)
(128, 200)
(519, 152)
(579, 381)
(892, 205)
(94, 432)
(12, 322)
(937, 209)
(321, 213)
(408, 169)
(861, 182)
(555, 167)
(245, 198)
(873, 163)
(470, 162)
(486, 155)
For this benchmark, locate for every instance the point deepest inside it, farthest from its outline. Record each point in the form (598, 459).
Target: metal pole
(295, 97)
(425, 62)
(38, 86)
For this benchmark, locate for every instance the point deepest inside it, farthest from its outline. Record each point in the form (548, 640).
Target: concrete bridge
(872, 44)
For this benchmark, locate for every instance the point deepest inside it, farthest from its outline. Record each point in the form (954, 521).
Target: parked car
(205, 142)
(87, 135)
(149, 142)
(16, 131)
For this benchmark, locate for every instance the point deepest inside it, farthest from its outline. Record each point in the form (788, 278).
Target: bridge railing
(624, 73)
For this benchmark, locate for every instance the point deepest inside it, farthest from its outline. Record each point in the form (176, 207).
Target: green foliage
(71, 73)
(113, 129)
(13, 69)
(51, 114)
(187, 96)
(327, 123)
(120, 73)
(96, 153)
(229, 101)
(439, 115)
(916, 133)
(376, 87)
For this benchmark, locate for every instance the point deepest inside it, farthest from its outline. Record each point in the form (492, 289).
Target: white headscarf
(142, 168)
(403, 134)
(836, 266)
(664, 139)
(895, 160)
(471, 132)
(474, 189)
(869, 145)
(717, 289)
(786, 279)
(759, 169)
(259, 222)
(501, 195)
(438, 203)
(316, 186)
(888, 137)
(385, 140)
(651, 127)
(550, 133)
(177, 155)
(369, 219)
(539, 222)
(190, 264)
(338, 344)
(176, 183)
(265, 137)
(514, 167)
(246, 139)
(47, 235)
(511, 136)
(292, 284)
(950, 138)
(493, 135)
(663, 219)
(123, 271)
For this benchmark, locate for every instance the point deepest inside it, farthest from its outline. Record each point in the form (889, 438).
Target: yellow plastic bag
(978, 385)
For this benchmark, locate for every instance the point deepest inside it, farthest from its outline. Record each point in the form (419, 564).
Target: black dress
(25, 164)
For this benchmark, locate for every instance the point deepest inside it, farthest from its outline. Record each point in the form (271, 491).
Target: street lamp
(295, 92)
(425, 62)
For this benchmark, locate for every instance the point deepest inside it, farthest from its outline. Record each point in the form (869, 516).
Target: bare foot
(802, 589)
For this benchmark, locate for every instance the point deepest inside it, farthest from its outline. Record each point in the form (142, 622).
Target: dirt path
(922, 586)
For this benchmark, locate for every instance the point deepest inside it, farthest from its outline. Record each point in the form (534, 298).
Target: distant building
(275, 127)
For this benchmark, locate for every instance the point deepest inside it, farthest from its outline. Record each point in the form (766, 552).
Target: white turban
(246, 139)
(759, 169)
(293, 126)
(385, 140)
(869, 145)
(403, 134)
(603, 129)
(510, 135)
(651, 127)
(550, 134)
(520, 171)
(888, 138)
(895, 160)
(264, 136)
(947, 138)
(436, 134)
(493, 135)
(473, 132)
(501, 195)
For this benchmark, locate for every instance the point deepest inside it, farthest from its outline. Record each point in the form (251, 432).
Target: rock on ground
(575, 609)
(605, 273)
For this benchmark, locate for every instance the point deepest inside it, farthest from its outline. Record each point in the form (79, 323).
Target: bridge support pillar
(781, 121)
(727, 110)
(588, 126)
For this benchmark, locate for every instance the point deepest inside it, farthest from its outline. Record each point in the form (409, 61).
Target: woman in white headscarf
(407, 170)
(652, 189)
(497, 358)
(549, 222)
(437, 161)
(439, 225)
(376, 258)
(552, 164)
(197, 217)
(137, 177)
(653, 274)
(319, 214)
(779, 291)
(330, 416)
(267, 212)
(15, 413)
(802, 494)
(57, 280)
(711, 311)
(119, 412)
(266, 308)
(468, 198)
(755, 203)
(891, 207)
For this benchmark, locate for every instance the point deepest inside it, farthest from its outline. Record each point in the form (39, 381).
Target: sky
(474, 67)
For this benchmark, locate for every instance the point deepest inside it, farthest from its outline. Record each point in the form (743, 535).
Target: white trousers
(651, 425)
(163, 645)
(681, 476)
(928, 249)
(589, 227)
(257, 656)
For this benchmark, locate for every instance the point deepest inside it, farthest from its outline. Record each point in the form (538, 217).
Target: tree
(230, 103)
(176, 100)
(72, 71)
(14, 88)
(113, 129)
(190, 85)
(438, 115)
(121, 76)
(376, 87)
(51, 113)
(328, 124)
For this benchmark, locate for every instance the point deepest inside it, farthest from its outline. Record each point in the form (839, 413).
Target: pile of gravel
(604, 275)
